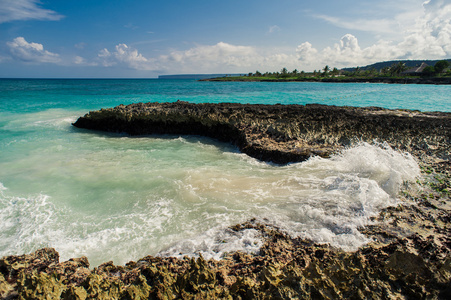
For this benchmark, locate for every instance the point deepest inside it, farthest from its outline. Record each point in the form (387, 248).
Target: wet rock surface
(409, 257)
(413, 267)
(282, 133)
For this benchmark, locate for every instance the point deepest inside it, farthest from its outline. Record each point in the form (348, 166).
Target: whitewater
(115, 197)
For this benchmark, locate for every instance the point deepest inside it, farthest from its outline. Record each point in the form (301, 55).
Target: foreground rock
(285, 268)
(410, 257)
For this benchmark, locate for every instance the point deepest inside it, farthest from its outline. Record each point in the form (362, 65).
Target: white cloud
(204, 58)
(106, 58)
(431, 35)
(130, 56)
(375, 25)
(31, 52)
(221, 57)
(80, 46)
(227, 58)
(125, 56)
(81, 61)
(13, 10)
(211, 57)
(78, 60)
(306, 52)
(421, 31)
(385, 17)
(273, 29)
(427, 36)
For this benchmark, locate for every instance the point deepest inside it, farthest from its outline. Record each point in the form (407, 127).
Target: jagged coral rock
(99, 287)
(138, 290)
(286, 268)
(41, 285)
(5, 287)
(281, 133)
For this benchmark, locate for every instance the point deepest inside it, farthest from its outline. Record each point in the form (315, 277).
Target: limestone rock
(282, 133)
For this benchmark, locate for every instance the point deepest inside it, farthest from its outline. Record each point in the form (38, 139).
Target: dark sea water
(114, 197)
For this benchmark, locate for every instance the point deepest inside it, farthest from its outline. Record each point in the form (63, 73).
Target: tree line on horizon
(440, 68)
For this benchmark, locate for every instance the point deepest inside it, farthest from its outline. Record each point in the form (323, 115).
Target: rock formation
(286, 268)
(408, 259)
(281, 133)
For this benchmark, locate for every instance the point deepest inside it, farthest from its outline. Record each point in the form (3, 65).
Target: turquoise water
(114, 197)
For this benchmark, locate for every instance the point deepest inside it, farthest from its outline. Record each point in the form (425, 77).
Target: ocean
(115, 197)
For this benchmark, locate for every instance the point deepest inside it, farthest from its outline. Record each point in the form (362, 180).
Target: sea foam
(186, 208)
(324, 200)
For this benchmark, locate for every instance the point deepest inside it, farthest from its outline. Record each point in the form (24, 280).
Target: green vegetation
(441, 66)
(397, 70)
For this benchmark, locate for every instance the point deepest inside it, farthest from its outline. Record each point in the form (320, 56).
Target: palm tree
(334, 72)
(356, 71)
(398, 68)
(385, 70)
(326, 69)
(284, 72)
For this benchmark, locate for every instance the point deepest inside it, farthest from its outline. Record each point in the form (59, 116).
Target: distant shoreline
(391, 80)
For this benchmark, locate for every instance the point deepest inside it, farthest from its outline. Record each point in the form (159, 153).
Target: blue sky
(139, 38)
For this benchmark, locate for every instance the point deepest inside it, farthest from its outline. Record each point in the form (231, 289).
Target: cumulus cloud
(13, 10)
(425, 34)
(306, 52)
(106, 58)
(22, 50)
(125, 56)
(428, 36)
(130, 56)
(416, 32)
(211, 57)
(431, 34)
(203, 58)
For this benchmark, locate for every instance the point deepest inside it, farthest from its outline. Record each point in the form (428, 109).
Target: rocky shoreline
(409, 258)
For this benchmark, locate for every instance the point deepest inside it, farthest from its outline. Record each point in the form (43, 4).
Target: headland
(361, 79)
(409, 257)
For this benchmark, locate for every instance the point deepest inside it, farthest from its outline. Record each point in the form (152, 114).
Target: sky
(147, 38)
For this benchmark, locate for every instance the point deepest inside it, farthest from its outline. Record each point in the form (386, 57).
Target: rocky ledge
(408, 259)
(281, 133)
